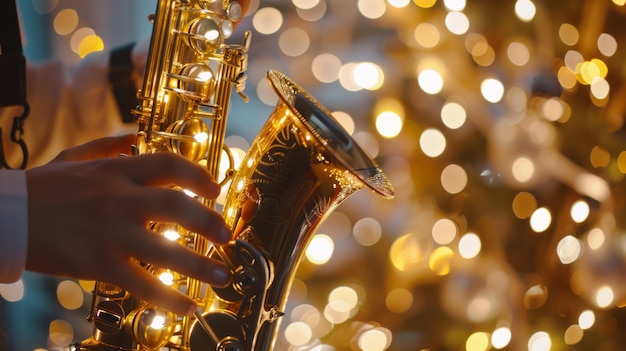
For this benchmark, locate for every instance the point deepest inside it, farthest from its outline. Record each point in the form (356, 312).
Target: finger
(165, 253)
(99, 148)
(168, 205)
(139, 282)
(166, 169)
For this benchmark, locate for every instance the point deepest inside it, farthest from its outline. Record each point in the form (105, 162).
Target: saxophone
(300, 167)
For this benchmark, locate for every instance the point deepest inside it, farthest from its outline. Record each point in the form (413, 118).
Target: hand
(88, 210)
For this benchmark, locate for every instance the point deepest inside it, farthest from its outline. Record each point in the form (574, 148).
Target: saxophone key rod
(206, 327)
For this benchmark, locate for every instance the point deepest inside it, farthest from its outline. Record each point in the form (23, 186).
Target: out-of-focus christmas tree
(501, 125)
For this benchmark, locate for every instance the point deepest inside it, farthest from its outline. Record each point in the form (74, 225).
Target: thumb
(99, 148)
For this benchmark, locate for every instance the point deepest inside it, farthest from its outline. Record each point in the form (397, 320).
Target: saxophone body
(299, 168)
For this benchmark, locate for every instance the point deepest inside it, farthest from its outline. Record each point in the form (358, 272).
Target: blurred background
(500, 124)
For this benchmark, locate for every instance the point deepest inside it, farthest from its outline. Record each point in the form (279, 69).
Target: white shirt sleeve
(13, 224)
(68, 107)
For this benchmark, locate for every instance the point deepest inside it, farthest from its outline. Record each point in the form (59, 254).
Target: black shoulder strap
(121, 78)
(12, 75)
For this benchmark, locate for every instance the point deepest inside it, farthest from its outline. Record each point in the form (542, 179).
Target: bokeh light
(267, 20)
(320, 249)
(432, 142)
(65, 21)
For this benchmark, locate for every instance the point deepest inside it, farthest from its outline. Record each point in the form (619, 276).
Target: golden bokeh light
(518, 53)
(483, 54)
(432, 142)
(586, 319)
(540, 220)
(525, 10)
(573, 334)
(492, 90)
(607, 44)
(65, 21)
(325, 67)
(535, 297)
(457, 22)
(87, 285)
(523, 169)
(430, 81)
(61, 333)
(455, 5)
(469, 245)
(553, 109)
(374, 339)
(368, 75)
(367, 231)
(595, 238)
(305, 4)
(567, 78)
(573, 59)
(372, 9)
(427, 35)
(389, 124)
(337, 311)
(588, 71)
(294, 41)
(267, 20)
(425, 3)
(78, 36)
(406, 253)
(70, 295)
(399, 3)
(600, 88)
(524, 204)
(580, 211)
(399, 300)
(313, 14)
(478, 341)
(320, 249)
(345, 294)
(568, 249)
(440, 260)
(540, 341)
(298, 333)
(346, 77)
(453, 115)
(453, 179)
(501, 337)
(604, 296)
(89, 44)
(444, 231)
(568, 34)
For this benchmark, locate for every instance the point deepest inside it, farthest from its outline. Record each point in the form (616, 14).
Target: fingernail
(192, 309)
(224, 235)
(221, 276)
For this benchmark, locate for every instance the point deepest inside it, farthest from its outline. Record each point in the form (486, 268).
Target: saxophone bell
(300, 167)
